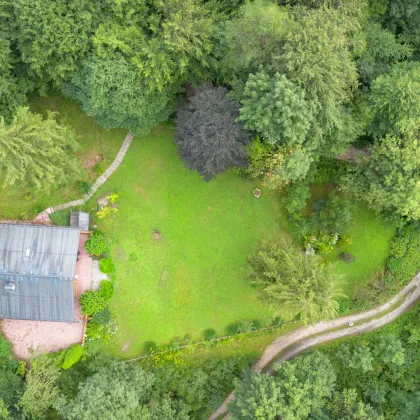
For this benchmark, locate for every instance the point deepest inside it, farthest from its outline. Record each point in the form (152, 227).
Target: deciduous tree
(111, 91)
(388, 180)
(295, 389)
(395, 99)
(53, 35)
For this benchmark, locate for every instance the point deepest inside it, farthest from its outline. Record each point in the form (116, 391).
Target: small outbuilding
(80, 220)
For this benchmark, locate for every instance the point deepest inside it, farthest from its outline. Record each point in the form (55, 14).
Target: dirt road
(295, 342)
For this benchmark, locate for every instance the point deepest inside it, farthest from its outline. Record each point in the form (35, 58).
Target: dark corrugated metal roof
(79, 220)
(39, 263)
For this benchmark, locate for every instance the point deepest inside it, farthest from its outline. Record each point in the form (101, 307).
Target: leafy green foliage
(107, 289)
(252, 37)
(92, 302)
(395, 99)
(209, 138)
(388, 179)
(120, 391)
(403, 18)
(36, 151)
(12, 88)
(382, 49)
(70, 356)
(168, 45)
(404, 259)
(310, 379)
(277, 166)
(96, 244)
(335, 216)
(41, 390)
(106, 265)
(288, 277)
(316, 57)
(276, 109)
(113, 94)
(295, 200)
(53, 35)
(210, 334)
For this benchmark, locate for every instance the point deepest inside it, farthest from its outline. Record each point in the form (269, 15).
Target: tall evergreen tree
(36, 151)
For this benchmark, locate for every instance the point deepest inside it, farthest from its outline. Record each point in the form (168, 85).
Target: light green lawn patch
(194, 277)
(370, 237)
(94, 141)
(370, 245)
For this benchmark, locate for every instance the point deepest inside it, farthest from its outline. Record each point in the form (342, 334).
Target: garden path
(295, 342)
(99, 182)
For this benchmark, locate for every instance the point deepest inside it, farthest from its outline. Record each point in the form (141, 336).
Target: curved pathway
(295, 342)
(99, 182)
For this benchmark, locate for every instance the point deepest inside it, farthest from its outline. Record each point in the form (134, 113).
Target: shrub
(92, 302)
(233, 329)
(106, 266)
(107, 289)
(103, 317)
(278, 321)
(99, 168)
(347, 257)
(378, 287)
(151, 347)
(84, 186)
(295, 200)
(210, 334)
(256, 325)
(95, 245)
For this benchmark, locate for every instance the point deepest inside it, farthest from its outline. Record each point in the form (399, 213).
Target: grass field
(95, 144)
(193, 278)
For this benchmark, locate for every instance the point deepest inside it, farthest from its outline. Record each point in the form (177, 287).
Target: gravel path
(295, 342)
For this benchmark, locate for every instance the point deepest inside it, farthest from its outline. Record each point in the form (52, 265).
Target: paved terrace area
(45, 337)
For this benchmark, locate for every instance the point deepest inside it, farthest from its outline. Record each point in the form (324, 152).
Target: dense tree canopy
(53, 35)
(111, 92)
(395, 99)
(388, 180)
(263, 396)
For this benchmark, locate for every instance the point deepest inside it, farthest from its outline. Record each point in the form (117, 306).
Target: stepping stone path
(99, 182)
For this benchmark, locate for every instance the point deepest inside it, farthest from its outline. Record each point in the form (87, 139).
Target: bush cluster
(96, 245)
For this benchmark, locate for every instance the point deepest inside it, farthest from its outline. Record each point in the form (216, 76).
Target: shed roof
(79, 220)
(38, 264)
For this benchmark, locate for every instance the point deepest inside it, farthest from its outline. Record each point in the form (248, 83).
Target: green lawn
(95, 143)
(370, 236)
(194, 277)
